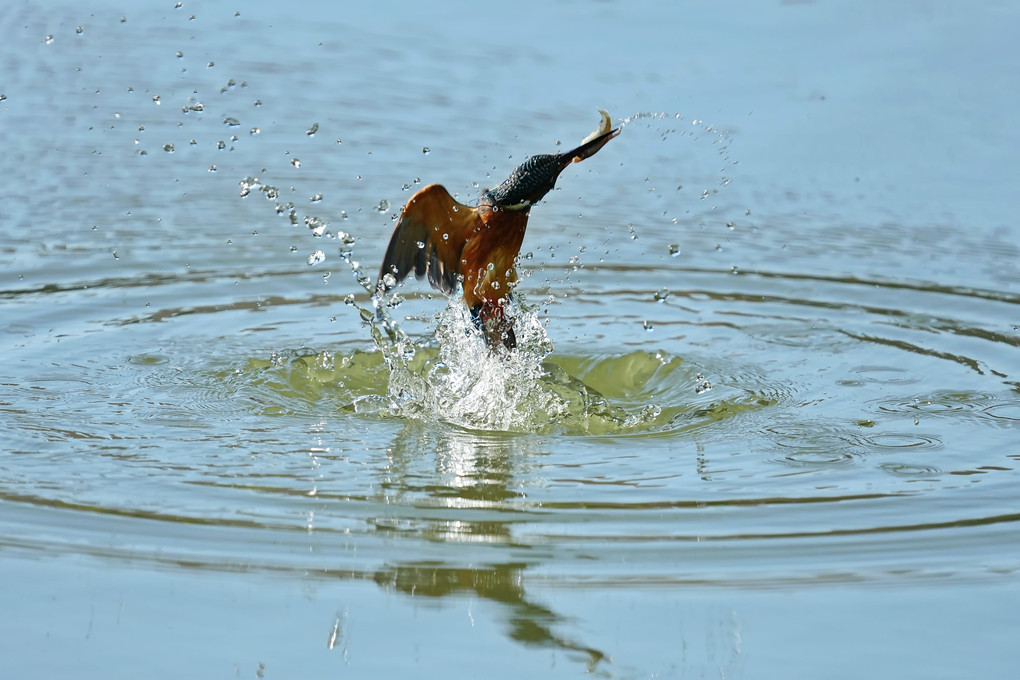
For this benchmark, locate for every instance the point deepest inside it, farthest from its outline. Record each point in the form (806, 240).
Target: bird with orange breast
(476, 247)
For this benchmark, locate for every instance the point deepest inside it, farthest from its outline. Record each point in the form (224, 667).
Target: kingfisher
(476, 247)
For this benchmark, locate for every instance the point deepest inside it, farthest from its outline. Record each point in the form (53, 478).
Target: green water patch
(628, 394)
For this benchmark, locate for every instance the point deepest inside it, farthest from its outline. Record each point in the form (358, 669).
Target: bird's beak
(589, 149)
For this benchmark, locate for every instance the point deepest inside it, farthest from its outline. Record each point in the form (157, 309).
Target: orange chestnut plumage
(452, 243)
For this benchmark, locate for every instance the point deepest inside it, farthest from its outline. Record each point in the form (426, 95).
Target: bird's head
(537, 175)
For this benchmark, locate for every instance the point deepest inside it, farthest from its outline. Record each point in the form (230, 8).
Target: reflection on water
(529, 623)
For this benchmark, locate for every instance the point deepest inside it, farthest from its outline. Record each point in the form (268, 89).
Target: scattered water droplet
(231, 122)
(317, 225)
(79, 30)
(383, 206)
(315, 199)
(312, 130)
(661, 295)
(674, 249)
(255, 131)
(702, 385)
(295, 162)
(316, 257)
(648, 325)
(169, 148)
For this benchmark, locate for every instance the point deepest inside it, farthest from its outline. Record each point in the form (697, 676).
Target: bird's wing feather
(429, 239)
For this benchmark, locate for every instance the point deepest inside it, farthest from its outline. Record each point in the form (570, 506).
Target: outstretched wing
(429, 239)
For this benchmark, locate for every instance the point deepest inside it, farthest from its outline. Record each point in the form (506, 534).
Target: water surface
(767, 419)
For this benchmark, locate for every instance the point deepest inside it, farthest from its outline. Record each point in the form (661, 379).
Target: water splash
(458, 379)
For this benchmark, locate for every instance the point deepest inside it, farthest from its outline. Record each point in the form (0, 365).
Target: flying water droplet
(317, 225)
(312, 130)
(247, 184)
(674, 249)
(316, 257)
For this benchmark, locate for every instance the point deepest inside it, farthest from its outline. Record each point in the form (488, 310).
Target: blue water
(769, 424)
